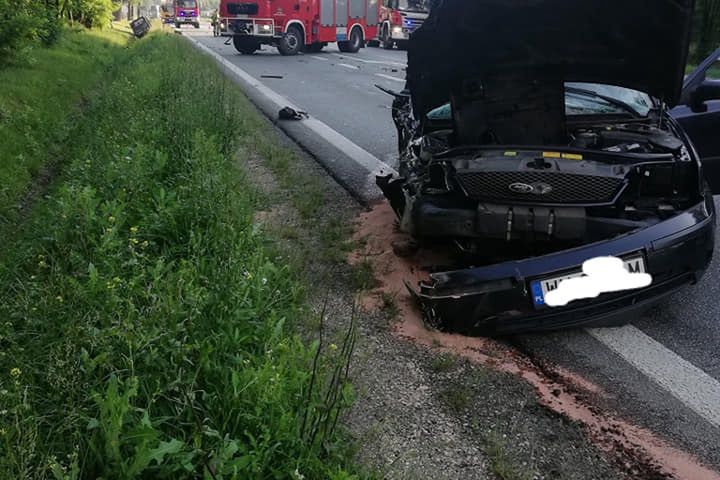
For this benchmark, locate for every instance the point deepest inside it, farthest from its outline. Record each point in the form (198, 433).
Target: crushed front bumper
(497, 299)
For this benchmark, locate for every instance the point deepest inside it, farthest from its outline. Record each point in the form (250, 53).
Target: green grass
(363, 275)
(443, 363)
(146, 331)
(458, 397)
(501, 463)
(36, 96)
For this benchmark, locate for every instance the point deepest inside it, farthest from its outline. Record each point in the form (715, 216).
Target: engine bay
(606, 179)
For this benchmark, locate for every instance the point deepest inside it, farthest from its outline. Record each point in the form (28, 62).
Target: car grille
(565, 187)
(242, 8)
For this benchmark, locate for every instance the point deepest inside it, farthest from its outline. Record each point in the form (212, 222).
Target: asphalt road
(662, 372)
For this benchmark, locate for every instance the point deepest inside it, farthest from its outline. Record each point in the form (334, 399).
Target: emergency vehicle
(299, 25)
(398, 19)
(181, 12)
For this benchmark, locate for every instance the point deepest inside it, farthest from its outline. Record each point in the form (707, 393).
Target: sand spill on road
(636, 450)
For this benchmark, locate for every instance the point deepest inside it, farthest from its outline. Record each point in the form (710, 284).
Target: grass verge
(147, 332)
(36, 97)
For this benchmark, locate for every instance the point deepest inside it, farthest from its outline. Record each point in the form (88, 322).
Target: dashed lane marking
(390, 77)
(351, 67)
(319, 58)
(375, 62)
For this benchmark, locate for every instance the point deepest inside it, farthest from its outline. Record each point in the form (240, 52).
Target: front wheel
(291, 43)
(352, 45)
(245, 45)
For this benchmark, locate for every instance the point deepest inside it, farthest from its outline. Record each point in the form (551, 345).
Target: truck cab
(186, 13)
(398, 19)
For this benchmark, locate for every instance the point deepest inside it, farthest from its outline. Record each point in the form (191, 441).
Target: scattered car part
(140, 27)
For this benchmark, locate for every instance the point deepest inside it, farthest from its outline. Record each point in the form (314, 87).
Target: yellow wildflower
(333, 347)
(133, 230)
(111, 219)
(134, 241)
(60, 299)
(15, 372)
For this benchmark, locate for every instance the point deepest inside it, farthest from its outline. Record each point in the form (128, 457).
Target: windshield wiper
(612, 101)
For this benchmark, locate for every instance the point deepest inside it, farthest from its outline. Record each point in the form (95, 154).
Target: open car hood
(639, 44)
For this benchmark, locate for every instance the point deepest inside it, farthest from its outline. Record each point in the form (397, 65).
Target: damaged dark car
(536, 135)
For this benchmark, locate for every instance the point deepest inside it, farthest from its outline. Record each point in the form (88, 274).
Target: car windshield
(579, 100)
(413, 5)
(186, 3)
(588, 99)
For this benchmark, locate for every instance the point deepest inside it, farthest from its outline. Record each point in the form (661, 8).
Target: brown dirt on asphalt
(637, 451)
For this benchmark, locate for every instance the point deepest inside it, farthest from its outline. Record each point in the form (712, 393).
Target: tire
(291, 43)
(386, 42)
(353, 45)
(245, 45)
(314, 47)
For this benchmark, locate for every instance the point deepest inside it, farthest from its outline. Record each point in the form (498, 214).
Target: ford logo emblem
(535, 189)
(521, 188)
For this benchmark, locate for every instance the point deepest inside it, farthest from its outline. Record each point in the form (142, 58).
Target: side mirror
(707, 90)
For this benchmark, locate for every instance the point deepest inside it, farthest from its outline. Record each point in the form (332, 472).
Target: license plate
(188, 19)
(540, 288)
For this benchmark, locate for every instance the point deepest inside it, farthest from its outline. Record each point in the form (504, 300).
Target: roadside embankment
(147, 329)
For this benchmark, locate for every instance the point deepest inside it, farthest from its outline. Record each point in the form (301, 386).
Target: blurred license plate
(540, 288)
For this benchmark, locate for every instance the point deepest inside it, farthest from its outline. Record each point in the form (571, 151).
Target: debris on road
(272, 76)
(289, 113)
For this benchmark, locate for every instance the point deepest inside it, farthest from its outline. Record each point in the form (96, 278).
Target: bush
(21, 22)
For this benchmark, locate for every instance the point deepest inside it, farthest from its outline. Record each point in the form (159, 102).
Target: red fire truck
(299, 25)
(398, 19)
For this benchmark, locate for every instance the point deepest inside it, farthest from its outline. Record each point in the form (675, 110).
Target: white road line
(376, 62)
(390, 77)
(351, 67)
(696, 389)
(358, 154)
(319, 58)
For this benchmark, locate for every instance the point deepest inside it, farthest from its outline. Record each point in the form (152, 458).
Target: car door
(699, 115)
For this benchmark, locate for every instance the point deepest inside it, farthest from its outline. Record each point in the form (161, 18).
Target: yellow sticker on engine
(511, 154)
(551, 154)
(572, 156)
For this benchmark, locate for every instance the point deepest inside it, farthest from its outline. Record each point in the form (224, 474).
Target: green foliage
(706, 29)
(146, 331)
(23, 21)
(35, 100)
(91, 13)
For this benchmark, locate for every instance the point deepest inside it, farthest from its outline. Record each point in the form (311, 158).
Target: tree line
(25, 21)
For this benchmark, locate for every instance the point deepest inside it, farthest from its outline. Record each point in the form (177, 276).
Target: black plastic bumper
(497, 300)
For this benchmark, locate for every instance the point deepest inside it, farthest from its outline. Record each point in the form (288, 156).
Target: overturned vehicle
(537, 135)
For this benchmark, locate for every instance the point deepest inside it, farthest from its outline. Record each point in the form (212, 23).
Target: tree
(706, 27)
